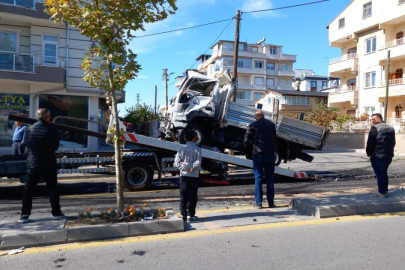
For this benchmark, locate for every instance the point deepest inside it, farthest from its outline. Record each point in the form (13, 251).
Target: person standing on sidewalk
(188, 159)
(42, 142)
(380, 150)
(260, 137)
(18, 147)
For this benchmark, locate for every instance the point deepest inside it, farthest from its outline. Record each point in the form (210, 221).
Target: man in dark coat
(380, 150)
(260, 137)
(42, 141)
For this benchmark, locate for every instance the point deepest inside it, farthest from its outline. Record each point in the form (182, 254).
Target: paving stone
(97, 232)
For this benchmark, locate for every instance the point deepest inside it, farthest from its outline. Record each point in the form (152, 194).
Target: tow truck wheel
(277, 158)
(198, 131)
(137, 176)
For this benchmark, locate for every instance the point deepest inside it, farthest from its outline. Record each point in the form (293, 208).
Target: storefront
(18, 104)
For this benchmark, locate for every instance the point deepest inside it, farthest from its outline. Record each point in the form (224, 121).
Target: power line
(185, 28)
(299, 5)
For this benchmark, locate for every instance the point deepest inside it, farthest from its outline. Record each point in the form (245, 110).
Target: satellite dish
(260, 42)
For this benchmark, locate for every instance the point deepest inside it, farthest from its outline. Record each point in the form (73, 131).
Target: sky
(300, 30)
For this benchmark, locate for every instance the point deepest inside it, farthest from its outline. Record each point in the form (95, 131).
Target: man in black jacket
(261, 138)
(42, 141)
(380, 150)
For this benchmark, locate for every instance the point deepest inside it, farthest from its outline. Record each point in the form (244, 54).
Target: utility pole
(155, 98)
(166, 100)
(235, 53)
(387, 85)
(137, 100)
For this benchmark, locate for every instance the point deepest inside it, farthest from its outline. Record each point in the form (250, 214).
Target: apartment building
(307, 80)
(365, 31)
(261, 67)
(40, 67)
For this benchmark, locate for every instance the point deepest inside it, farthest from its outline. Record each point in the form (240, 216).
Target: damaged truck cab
(204, 105)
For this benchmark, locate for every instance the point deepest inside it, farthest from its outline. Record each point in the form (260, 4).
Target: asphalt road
(350, 173)
(345, 243)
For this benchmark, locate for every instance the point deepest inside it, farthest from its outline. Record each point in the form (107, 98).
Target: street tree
(141, 114)
(108, 65)
(323, 115)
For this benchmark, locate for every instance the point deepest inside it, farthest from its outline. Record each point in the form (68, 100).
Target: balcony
(286, 73)
(344, 93)
(261, 87)
(344, 63)
(396, 47)
(28, 67)
(396, 88)
(20, 3)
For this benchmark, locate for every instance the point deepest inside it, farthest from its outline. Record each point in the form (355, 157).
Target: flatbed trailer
(139, 166)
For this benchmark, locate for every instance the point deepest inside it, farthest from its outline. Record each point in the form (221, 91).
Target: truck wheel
(138, 176)
(198, 131)
(277, 158)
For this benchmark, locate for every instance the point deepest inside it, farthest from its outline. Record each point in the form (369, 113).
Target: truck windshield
(204, 87)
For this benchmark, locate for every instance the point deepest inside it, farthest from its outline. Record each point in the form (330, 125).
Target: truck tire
(138, 176)
(198, 131)
(277, 158)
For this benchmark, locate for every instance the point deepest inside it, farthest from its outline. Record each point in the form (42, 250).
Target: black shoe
(272, 205)
(23, 218)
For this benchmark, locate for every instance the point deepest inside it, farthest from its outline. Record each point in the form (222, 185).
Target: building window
(254, 49)
(367, 9)
(8, 41)
(273, 50)
(314, 86)
(400, 36)
(259, 80)
(71, 106)
(324, 84)
(283, 67)
(369, 110)
(370, 79)
(341, 23)
(258, 64)
(227, 46)
(371, 45)
(218, 64)
(242, 47)
(257, 96)
(270, 82)
(296, 100)
(271, 66)
(242, 95)
(244, 63)
(50, 47)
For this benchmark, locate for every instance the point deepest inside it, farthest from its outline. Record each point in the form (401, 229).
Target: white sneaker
(193, 218)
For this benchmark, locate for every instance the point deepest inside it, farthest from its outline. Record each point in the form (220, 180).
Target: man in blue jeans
(260, 137)
(380, 150)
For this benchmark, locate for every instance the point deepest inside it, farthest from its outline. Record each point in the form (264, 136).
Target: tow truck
(139, 166)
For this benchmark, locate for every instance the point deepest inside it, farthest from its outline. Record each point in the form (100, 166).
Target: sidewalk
(46, 231)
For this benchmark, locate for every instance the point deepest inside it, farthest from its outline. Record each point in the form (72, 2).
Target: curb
(305, 207)
(91, 233)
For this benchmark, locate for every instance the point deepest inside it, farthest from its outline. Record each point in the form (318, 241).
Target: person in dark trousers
(188, 160)
(18, 147)
(260, 137)
(380, 150)
(42, 142)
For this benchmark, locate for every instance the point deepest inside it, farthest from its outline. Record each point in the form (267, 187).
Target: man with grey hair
(42, 141)
(260, 138)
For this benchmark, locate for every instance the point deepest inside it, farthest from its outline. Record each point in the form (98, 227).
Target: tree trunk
(117, 144)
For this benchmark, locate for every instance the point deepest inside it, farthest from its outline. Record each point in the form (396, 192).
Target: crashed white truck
(204, 105)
